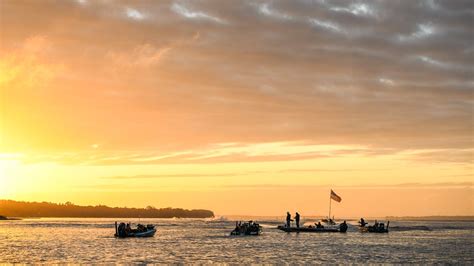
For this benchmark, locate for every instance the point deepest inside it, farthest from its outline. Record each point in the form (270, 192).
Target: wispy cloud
(142, 55)
(440, 185)
(423, 31)
(266, 10)
(182, 10)
(134, 14)
(326, 25)
(357, 9)
(159, 176)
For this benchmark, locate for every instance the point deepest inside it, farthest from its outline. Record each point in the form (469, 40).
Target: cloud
(386, 81)
(439, 185)
(28, 65)
(356, 9)
(134, 14)
(326, 25)
(258, 152)
(145, 55)
(190, 14)
(159, 176)
(266, 10)
(423, 31)
(387, 76)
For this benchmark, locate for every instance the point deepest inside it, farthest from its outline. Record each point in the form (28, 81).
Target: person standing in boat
(128, 229)
(288, 219)
(343, 227)
(297, 220)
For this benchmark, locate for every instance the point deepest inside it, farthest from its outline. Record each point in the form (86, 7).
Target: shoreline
(261, 218)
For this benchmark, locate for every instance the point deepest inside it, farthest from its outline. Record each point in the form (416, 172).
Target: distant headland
(11, 208)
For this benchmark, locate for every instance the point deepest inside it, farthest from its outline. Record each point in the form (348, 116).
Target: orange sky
(247, 108)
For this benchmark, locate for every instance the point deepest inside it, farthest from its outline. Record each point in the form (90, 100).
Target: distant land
(432, 218)
(11, 208)
(308, 218)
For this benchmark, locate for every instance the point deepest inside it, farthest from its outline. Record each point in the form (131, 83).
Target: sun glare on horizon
(218, 105)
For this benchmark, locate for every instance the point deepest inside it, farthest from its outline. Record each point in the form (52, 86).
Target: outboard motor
(343, 227)
(121, 230)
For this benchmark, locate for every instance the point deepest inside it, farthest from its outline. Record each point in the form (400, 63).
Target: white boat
(141, 231)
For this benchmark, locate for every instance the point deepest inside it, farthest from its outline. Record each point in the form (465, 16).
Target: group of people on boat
(342, 227)
(248, 228)
(125, 230)
(376, 228)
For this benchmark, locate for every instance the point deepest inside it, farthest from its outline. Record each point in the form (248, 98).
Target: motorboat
(124, 230)
(376, 228)
(317, 228)
(310, 229)
(249, 228)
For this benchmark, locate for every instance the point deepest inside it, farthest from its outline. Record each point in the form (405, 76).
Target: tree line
(11, 208)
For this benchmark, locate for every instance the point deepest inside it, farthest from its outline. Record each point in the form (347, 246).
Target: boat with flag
(327, 226)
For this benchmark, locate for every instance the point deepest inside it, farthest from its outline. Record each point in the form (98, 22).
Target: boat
(376, 228)
(309, 229)
(4, 218)
(124, 231)
(331, 225)
(249, 228)
(342, 228)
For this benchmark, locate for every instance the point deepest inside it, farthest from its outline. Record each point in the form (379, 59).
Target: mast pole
(329, 217)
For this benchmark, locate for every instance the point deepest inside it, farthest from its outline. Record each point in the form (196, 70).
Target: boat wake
(217, 219)
(410, 228)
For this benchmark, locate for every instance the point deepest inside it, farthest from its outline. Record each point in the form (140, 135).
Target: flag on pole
(335, 197)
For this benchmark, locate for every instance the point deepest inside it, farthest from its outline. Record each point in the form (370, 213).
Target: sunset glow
(244, 109)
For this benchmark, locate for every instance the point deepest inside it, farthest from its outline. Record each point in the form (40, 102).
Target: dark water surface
(205, 241)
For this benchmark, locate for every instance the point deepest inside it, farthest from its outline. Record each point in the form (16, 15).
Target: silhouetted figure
(362, 222)
(343, 227)
(297, 220)
(319, 225)
(288, 219)
(121, 230)
(376, 224)
(128, 229)
(381, 226)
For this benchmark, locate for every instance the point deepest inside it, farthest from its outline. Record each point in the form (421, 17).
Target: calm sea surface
(204, 241)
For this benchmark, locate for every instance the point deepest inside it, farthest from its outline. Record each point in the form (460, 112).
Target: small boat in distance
(124, 230)
(4, 218)
(249, 228)
(376, 228)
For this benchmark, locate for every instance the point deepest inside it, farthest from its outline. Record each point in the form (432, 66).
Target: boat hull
(234, 233)
(308, 230)
(148, 233)
(372, 230)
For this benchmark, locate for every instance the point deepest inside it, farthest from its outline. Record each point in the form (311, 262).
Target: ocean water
(208, 241)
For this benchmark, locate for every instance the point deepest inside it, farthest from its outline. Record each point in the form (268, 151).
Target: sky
(240, 107)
